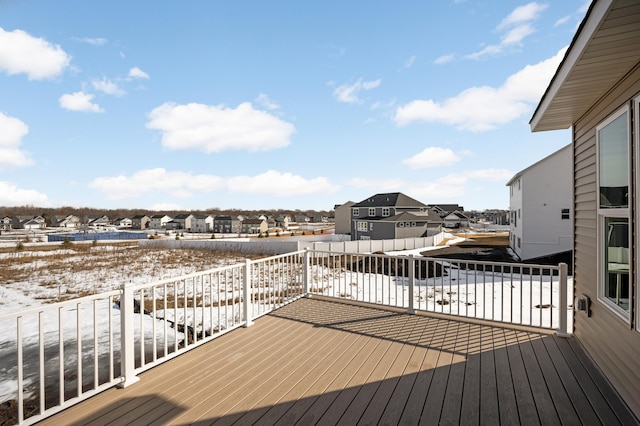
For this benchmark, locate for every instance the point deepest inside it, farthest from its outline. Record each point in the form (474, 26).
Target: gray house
(596, 92)
(28, 222)
(392, 215)
(182, 221)
(254, 226)
(158, 221)
(6, 223)
(68, 221)
(223, 224)
(140, 221)
(202, 223)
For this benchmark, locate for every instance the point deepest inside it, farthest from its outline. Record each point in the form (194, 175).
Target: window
(401, 224)
(519, 242)
(363, 226)
(371, 226)
(613, 178)
(386, 212)
(355, 212)
(372, 211)
(565, 214)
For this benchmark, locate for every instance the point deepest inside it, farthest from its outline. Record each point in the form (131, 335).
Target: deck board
(316, 361)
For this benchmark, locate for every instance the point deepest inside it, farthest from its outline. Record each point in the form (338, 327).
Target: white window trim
(602, 213)
(372, 211)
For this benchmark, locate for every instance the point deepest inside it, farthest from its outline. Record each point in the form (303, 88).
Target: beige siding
(611, 342)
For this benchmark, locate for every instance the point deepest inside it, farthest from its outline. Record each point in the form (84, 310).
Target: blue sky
(280, 104)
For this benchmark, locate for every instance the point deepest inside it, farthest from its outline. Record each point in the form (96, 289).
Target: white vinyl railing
(513, 293)
(66, 352)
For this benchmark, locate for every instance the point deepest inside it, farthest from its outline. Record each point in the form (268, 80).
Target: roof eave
(541, 119)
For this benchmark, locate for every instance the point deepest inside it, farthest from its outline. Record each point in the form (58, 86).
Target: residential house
(202, 223)
(283, 221)
(596, 92)
(223, 225)
(123, 222)
(301, 219)
(392, 215)
(343, 217)
(444, 210)
(68, 221)
(183, 221)
(540, 205)
(456, 219)
(140, 221)
(97, 221)
(6, 223)
(254, 226)
(158, 221)
(28, 222)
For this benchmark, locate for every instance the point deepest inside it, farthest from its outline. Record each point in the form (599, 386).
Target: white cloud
(432, 157)
(409, 62)
(212, 128)
(264, 101)
(445, 59)
(520, 14)
(562, 21)
(350, 93)
(96, 41)
(107, 86)
(183, 184)
(517, 26)
(13, 130)
(484, 108)
(79, 101)
(136, 72)
(178, 184)
(279, 184)
(35, 57)
(11, 195)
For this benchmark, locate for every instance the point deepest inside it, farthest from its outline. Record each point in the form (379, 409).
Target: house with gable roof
(392, 215)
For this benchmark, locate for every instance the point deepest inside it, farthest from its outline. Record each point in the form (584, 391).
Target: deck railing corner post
(246, 295)
(127, 338)
(563, 330)
(411, 265)
(305, 273)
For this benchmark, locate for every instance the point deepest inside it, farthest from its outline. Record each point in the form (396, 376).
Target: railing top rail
(57, 305)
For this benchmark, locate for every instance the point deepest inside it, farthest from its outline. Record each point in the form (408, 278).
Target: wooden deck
(323, 362)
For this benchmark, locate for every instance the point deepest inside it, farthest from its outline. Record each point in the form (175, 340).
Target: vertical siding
(612, 343)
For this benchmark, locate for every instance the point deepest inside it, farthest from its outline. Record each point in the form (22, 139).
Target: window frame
(604, 213)
(372, 211)
(386, 212)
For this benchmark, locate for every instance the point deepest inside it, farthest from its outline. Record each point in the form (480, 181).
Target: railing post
(306, 273)
(412, 279)
(246, 297)
(127, 348)
(562, 315)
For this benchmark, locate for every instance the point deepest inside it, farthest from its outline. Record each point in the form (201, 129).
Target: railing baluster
(20, 370)
(41, 359)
